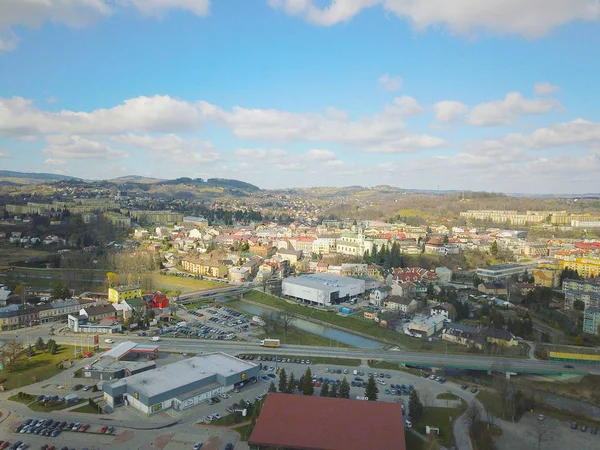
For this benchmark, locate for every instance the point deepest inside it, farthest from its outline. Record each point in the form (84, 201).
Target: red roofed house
(301, 422)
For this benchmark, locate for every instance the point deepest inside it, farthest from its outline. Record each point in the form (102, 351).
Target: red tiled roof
(322, 423)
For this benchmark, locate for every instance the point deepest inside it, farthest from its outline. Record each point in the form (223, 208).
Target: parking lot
(211, 322)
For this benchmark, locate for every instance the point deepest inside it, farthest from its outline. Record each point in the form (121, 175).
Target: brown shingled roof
(322, 423)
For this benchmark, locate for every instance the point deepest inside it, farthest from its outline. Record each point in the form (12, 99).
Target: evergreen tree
(371, 390)
(344, 389)
(272, 387)
(30, 351)
(325, 390)
(382, 255)
(494, 248)
(373, 258)
(291, 384)
(333, 391)
(415, 407)
(39, 344)
(283, 386)
(307, 386)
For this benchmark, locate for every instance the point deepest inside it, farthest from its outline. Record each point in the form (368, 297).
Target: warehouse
(323, 289)
(181, 385)
(123, 360)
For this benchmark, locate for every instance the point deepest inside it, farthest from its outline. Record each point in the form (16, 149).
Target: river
(325, 331)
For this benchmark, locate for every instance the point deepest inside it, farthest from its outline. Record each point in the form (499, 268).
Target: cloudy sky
(463, 94)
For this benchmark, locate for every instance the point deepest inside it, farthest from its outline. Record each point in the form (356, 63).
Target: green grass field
(41, 366)
(169, 283)
(87, 409)
(447, 396)
(29, 400)
(440, 418)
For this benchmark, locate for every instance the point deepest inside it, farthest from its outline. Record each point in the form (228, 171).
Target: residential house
(403, 304)
(525, 288)
(464, 335)
(97, 313)
(239, 274)
(292, 256)
(493, 288)
(546, 277)
(9, 317)
(377, 296)
(206, 267)
(252, 265)
(5, 295)
(444, 309)
(119, 293)
(500, 337)
(157, 300)
(424, 326)
(444, 274)
(370, 315)
(28, 315)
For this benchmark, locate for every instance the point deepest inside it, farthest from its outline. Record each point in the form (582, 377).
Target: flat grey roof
(113, 364)
(502, 267)
(183, 373)
(119, 350)
(323, 281)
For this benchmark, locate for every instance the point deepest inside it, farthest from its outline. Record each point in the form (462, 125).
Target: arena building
(323, 289)
(181, 385)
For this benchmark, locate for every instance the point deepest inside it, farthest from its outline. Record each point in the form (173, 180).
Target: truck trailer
(270, 343)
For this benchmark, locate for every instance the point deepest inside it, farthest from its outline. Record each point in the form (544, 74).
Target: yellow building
(205, 267)
(119, 293)
(585, 267)
(546, 277)
(370, 315)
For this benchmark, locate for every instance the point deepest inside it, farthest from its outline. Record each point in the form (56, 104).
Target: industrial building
(317, 423)
(323, 289)
(181, 385)
(123, 360)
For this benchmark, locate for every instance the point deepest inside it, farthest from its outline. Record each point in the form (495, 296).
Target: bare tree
(426, 397)
(473, 413)
(505, 388)
(11, 353)
(542, 431)
(285, 320)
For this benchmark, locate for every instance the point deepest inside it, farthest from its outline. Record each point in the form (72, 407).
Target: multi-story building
(9, 317)
(591, 321)
(156, 217)
(588, 267)
(205, 267)
(501, 271)
(119, 293)
(588, 291)
(355, 244)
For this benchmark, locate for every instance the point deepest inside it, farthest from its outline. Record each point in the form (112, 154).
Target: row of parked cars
(19, 445)
(582, 427)
(278, 359)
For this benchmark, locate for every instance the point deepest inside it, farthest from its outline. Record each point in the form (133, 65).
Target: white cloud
(390, 83)
(80, 13)
(4, 153)
(335, 126)
(409, 144)
(545, 88)
(530, 18)
(160, 113)
(76, 147)
(54, 162)
(575, 132)
(505, 112)
(259, 158)
(171, 147)
(449, 110)
(8, 40)
(321, 155)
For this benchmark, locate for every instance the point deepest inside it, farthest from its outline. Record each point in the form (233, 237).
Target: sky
(498, 96)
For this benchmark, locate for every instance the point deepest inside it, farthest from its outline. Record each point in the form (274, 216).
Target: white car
(224, 395)
(216, 416)
(407, 424)
(207, 419)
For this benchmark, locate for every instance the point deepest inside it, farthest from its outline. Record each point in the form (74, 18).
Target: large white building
(323, 289)
(182, 384)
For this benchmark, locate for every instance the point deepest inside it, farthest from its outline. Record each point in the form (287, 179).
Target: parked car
(474, 389)
(573, 425)
(87, 387)
(103, 429)
(229, 446)
(197, 445)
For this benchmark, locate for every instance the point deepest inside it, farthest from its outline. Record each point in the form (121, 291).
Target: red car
(84, 428)
(5, 444)
(103, 429)
(87, 354)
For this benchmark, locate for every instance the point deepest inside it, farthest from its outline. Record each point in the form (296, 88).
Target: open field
(585, 388)
(87, 409)
(10, 254)
(41, 278)
(170, 283)
(41, 367)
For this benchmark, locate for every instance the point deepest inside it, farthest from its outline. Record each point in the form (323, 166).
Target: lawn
(447, 396)
(88, 409)
(172, 283)
(440, 418)
(296, 336)
(490, 399)
(384, 365)
(12, 254)
(41, 367)
(244, 431)
(414, 442)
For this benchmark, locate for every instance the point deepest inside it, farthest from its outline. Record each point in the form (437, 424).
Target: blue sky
(495, 96)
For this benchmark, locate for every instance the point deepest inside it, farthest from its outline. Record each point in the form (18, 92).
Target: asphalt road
(415, 358)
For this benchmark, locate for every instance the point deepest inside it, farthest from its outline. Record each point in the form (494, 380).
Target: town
(299, 225)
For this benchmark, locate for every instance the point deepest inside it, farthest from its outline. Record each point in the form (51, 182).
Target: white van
(109, 341)
(355, 372)
(155, 338)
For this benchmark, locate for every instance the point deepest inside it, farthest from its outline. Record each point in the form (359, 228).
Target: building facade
(119, 293)
(588, 291)
(591, 321)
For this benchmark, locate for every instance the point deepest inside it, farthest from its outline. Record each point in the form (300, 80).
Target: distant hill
(135, 179)
(20, 178)
(212, 182)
